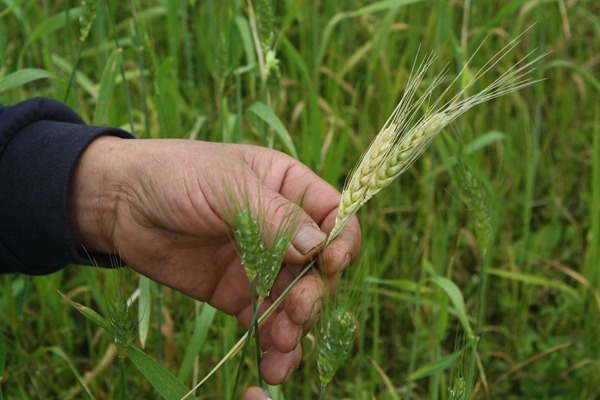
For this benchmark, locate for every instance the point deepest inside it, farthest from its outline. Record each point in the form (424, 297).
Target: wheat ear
(405, 136)
(355, 192)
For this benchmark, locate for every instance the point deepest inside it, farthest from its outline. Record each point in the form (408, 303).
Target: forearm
(42, 141)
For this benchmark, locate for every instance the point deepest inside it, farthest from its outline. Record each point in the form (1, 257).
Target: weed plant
(495, 229)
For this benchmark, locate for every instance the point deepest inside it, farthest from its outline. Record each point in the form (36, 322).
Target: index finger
(299, 184)
(321, 201)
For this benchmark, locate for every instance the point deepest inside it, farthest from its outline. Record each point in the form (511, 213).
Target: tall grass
(191, 69)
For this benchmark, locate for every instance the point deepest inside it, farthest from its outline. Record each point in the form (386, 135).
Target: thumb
(280, 216)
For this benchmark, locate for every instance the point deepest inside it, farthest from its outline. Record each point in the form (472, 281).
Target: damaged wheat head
(407, 133)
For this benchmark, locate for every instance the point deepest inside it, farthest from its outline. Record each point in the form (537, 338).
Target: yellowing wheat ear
(405, 136)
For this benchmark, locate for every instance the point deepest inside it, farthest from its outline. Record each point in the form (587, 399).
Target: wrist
(95, 192)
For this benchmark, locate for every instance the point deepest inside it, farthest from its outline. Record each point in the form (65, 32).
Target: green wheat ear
(275, 252)
(120, 313)
(336, 338)
(261, 250)
(86, 18)
(266, 23)
(250, 243)
(476, 199)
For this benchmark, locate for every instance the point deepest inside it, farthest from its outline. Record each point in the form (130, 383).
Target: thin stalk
(593, 257)
(253, 328)
(159, 321)
(123, 385)
(138, 41)
(122, 70)
(240, 106)
(240, 343)
(415, 342)
(323, 392)
(256, 308)
(481, 296)
(530, 183)
(72, 77)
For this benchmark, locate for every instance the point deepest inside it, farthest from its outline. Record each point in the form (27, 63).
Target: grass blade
(60, 353)
(536, 280)
(164, 381)
(22, 77)
(90, 314)
(457, 299)
(264, 113)
(201, 327)
(2, 360)
(433, 367)
(144, 310)
(107, 82)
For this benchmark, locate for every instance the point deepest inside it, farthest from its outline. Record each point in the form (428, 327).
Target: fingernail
(344, 264)
(308, 238)
(300, 334)
(313, 313)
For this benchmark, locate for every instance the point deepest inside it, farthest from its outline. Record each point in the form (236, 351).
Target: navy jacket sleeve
(40, 143)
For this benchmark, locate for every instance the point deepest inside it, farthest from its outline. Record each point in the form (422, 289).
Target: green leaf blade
(167, 385)
(23, 77)
(264, 113)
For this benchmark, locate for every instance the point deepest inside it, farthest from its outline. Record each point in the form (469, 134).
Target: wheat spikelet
(353, 195)
(120, 313)
(274, 253)
(250, 243)
(407, 151)
(86, 18)
(270, 269)
(336, 338)
(475, 195)
(265, 22)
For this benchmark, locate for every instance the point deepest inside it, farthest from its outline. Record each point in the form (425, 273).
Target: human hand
(159, 205)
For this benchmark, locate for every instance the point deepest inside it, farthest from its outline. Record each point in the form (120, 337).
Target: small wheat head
(86, 18)
(274, 253)
(120, 313)
(336, 338)
(476, 199)
(250, 243)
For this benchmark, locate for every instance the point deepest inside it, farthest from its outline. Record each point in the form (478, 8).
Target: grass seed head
(274, 253)
(120, 313)
(266, 23)
(336, 338)
(86, 18)
(476, 199)
(250, 243)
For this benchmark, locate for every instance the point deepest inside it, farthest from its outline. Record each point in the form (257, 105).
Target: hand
(159, 205)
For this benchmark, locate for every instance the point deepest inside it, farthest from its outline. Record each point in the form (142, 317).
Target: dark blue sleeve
(40, 143)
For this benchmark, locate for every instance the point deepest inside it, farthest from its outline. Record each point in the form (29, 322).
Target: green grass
(190, 70)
